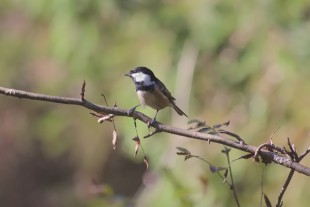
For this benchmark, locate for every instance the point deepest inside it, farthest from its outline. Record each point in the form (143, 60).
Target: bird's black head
(143, 78)
(143, 70)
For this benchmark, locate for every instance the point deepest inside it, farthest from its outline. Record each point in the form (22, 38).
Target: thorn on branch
(83, 90)
(247, 156)
(152, 133)
(293, 152)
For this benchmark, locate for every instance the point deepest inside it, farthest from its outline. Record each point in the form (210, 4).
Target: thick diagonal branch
(284, 161)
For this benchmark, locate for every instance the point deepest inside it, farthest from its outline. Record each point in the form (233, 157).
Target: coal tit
(151, 91)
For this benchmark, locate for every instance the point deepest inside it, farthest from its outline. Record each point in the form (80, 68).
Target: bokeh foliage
(252, 69)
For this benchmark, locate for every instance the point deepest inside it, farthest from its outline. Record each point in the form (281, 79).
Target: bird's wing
(164, 90)
(167, 93)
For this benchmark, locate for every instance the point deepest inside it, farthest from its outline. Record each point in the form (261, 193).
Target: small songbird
(151, 91)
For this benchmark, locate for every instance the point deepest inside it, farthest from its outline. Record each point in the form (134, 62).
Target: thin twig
(262, 187)
(106, 102)
(140, 144)
(290, 175)
(287, 182)
(304, 154)
(226, 152)
(152, 133)
(284, 161)
(293, 150)
(217, 172)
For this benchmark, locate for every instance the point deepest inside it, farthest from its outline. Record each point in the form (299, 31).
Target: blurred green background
(243, 61)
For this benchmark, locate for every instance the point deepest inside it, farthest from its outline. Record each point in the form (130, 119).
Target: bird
(151, 91)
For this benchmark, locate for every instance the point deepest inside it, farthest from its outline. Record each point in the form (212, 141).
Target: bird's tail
(178, 110)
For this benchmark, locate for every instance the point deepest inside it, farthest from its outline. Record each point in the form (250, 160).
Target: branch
(287, 182)
(266, 155)
(290, 175)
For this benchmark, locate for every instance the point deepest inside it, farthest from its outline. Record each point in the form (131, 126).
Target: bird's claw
(153, 123)
(131, 110)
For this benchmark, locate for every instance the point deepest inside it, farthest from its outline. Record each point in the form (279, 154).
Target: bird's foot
(152, 123)
(133, 109)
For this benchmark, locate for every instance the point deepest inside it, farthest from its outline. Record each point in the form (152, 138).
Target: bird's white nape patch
(142, 77)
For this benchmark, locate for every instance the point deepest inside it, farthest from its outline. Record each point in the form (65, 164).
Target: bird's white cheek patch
(141, 77)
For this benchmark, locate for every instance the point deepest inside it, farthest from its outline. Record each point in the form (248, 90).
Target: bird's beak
(128, 74)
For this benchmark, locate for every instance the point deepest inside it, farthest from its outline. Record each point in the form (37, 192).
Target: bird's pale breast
(155, 99)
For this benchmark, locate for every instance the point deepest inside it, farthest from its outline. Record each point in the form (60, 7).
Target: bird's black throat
(141, 87)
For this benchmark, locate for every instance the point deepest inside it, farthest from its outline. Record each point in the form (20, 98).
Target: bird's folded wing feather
(164, 90)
